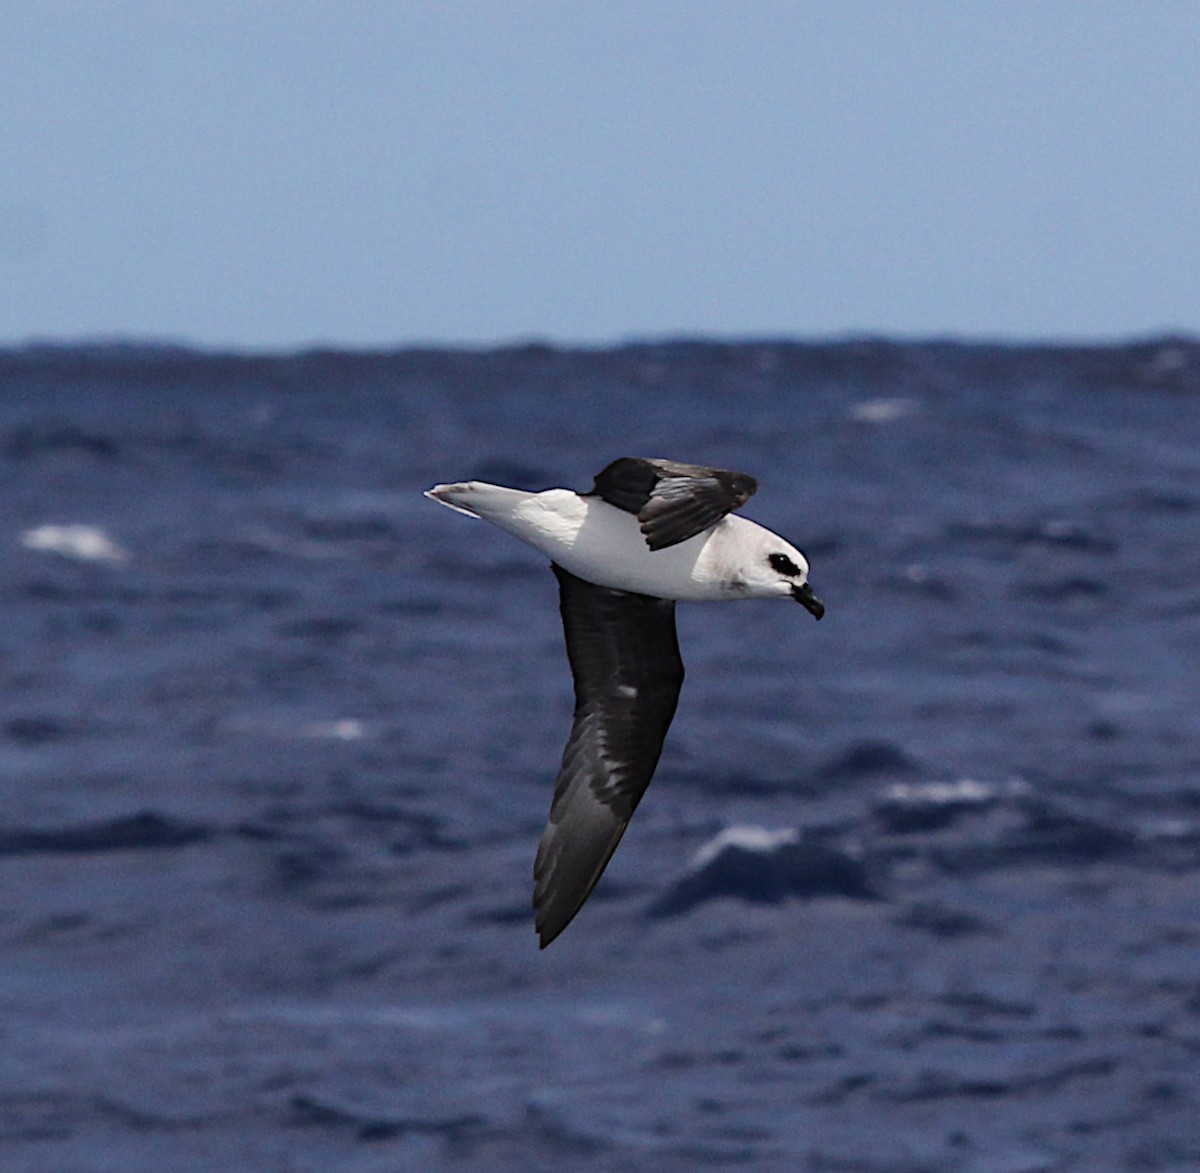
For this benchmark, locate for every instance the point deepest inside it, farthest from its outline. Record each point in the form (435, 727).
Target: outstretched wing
(625, 660)
(672, 501)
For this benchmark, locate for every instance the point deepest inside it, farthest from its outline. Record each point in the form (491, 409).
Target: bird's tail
(453, 497)
(478, 498)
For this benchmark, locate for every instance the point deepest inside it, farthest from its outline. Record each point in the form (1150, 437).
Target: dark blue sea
(278, 737)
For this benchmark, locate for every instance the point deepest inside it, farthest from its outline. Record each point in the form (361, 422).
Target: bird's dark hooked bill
(809, 601)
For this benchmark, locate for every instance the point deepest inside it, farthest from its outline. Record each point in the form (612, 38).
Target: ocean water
(914, 889)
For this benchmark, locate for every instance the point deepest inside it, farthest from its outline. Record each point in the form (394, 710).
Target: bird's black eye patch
(783, 564)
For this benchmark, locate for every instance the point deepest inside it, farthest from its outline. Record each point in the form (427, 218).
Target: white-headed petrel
(649, 533)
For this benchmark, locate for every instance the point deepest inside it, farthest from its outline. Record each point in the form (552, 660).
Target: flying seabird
(649, 533)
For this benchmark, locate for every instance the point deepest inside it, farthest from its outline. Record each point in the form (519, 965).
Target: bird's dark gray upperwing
(672, 501)
(625, 660)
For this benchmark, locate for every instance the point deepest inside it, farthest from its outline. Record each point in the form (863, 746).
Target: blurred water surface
(277, 739)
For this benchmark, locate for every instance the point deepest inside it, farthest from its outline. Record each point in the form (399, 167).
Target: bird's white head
(772, 568)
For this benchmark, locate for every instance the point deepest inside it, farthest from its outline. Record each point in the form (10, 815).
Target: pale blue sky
(278, 174)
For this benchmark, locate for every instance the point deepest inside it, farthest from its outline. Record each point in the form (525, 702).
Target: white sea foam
(964, 790)
(882, 411)
(344, 729)
(85, 543)
(748, 838)
(337, 729)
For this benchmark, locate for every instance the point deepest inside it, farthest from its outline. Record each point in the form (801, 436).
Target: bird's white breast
(602, 544)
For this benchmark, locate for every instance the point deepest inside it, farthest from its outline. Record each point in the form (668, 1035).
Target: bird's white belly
(597, 542)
